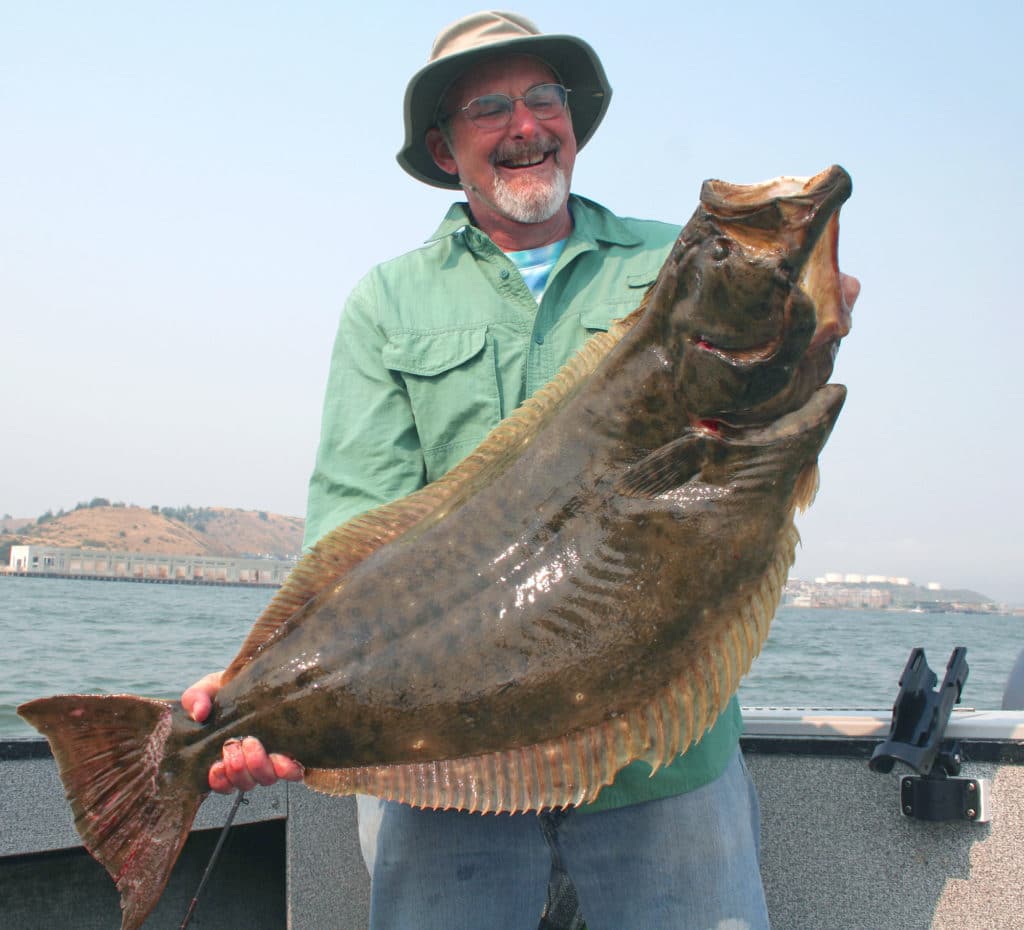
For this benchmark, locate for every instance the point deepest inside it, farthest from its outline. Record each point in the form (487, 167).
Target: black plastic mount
(919, 718)
(940, 799)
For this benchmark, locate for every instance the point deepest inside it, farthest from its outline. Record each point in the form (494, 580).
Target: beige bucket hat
(482, 35)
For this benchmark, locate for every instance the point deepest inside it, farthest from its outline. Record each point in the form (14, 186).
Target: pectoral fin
(666, 468)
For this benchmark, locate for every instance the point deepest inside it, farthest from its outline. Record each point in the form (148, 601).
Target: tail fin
(132, 813)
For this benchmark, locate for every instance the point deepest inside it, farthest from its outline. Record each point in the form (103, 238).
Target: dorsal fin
(340, 550)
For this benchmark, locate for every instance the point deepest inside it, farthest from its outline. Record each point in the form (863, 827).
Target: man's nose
(523, 121)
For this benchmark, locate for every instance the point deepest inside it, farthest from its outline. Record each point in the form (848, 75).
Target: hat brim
(575, 62)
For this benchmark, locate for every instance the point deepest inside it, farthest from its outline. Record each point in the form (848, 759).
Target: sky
(190, 190)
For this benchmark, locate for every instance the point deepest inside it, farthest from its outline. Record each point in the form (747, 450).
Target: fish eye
(721, 248)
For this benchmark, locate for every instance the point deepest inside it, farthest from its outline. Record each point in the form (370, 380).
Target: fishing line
(213, 859)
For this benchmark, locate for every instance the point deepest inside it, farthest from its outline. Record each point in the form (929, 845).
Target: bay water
(63, 636)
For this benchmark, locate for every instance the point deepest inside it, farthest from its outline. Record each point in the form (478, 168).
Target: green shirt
(437, 345)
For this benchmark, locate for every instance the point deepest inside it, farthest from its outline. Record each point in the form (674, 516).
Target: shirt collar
(592, 223)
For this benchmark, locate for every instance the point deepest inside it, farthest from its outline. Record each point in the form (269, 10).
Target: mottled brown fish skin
(582, 591)
(579, 617)
(574, 588)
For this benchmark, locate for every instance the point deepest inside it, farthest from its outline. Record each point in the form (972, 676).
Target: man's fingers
(244, 763)
(850, 288)
(286, 768)
(218, 779)
(197, 699)
(197, 704)
(257, 762)
(235, 767)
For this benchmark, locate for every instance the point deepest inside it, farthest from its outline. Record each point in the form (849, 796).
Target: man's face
(520, 172)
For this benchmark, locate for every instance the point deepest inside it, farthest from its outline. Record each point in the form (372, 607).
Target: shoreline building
(110, 565)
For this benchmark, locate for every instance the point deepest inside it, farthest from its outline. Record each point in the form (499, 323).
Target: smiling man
(504, 130)
(433, 349)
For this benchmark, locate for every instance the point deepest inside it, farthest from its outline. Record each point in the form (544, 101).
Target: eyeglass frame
(445, 118)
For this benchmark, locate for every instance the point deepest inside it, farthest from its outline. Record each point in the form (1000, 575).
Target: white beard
(532, 203)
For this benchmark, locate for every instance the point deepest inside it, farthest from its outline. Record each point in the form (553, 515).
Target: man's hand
(244, 763)
(850, 287)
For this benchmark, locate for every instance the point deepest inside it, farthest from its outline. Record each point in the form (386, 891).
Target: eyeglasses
(494, 111)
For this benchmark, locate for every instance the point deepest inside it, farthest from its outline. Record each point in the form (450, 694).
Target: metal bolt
(971, 786)
(908, 808)
(971, 813)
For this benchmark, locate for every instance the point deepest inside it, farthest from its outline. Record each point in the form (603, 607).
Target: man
(433, 349)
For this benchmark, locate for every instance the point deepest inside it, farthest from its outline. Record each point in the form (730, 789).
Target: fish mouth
(821, 282)
(792, 223)
(753, 213)
(820, 411)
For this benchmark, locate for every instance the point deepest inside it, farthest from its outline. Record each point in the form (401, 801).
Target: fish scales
(584, 590)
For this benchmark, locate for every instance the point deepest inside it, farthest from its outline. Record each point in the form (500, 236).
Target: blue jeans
(688, 862)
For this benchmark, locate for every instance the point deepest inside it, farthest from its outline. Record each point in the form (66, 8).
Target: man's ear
(440, 152)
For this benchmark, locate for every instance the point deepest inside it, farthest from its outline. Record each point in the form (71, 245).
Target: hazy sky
(190, 189)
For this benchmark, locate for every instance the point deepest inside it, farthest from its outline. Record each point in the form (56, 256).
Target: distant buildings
(853, 578)
(874, 592)
(108, 565)
(822, 593)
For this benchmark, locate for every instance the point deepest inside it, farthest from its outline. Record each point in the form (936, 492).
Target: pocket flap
(642, 279)
(596, 318)
(430, 354)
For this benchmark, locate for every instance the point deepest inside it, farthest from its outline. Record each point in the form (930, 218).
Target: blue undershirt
(535, 265)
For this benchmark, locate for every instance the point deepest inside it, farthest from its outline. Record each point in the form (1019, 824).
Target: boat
(840, 849)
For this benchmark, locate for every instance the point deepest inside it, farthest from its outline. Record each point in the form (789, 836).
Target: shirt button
(503, 274)
(539, 338)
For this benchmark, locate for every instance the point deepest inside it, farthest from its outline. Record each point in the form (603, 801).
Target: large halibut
(586, 589)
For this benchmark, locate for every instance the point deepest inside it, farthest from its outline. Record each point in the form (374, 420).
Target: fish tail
(134, 798)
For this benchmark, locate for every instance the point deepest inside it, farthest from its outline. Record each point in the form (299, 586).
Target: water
(108, 637)
(95, 636)
(853, 659)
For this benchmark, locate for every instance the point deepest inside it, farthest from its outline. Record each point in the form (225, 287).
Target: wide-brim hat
(484, 35)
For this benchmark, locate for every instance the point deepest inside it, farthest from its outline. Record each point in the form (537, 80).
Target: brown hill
(183, 531)
(253, 532)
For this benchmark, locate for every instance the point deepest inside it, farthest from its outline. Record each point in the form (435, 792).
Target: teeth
(524, 163)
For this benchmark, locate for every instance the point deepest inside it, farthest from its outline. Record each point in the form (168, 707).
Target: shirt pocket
(599, 317)
(595, 320)
(452, 382)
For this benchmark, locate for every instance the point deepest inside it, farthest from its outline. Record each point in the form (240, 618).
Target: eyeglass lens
(492, 111)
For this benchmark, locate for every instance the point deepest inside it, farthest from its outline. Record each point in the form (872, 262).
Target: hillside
(171, 531)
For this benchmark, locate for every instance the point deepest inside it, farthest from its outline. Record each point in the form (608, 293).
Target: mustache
(524, 151)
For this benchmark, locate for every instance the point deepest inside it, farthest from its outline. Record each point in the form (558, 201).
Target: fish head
(756, 308)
